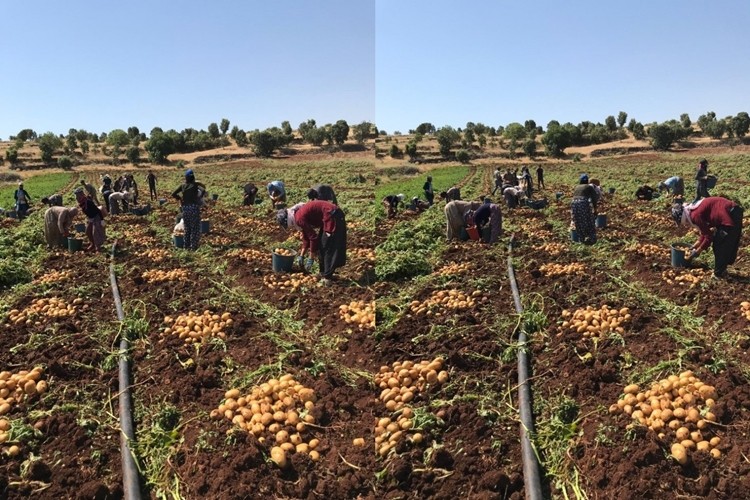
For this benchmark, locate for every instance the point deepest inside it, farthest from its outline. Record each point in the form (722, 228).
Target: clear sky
(175, 64)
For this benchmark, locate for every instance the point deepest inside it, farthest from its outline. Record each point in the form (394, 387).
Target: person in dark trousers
(583, 210)
(673, 185)
(644, 193)
(540, 177)
(106, 190)
(90, 191)
(251, 192)
(719, 222)
(22, 201)
(429, 194)
(152, 185)
(55, 200)
(497, 176)
(701, 180)
(391, 203)
(192, 197)
(323, 192)
(489, 213)
(452, 194)
(323, 228)
(94, 227)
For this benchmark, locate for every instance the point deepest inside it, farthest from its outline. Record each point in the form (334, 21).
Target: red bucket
(473, 233)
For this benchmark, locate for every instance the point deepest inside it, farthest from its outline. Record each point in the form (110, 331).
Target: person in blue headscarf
(277, 193)
(583, 210)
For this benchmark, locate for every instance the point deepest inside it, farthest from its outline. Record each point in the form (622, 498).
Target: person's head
(79, 194)
(83, 182)
(282, 217)
(189, 175)
(73, 211)
(661, 186)
(678, 209)
(443, 194)
(20, 185)
(487, 201)
(583, 179)
(45, 200)
(429, 178)
(703, 163)
(312, 194)
(401, 197)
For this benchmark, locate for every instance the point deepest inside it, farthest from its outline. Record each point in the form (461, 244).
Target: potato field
(399, 380)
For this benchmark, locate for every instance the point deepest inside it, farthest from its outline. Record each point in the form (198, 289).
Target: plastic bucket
(678, 254)
(205, 226)
(611, 190)
(473, 233)
(81, 228)
(179, 241)
(574, 236)
(601, 221)
(12, 214)
(282, 263)
(486, 234)
(558, 195)
(162, 201)
(463, 235)
(214, 197)
(75, 244)
(711, 181)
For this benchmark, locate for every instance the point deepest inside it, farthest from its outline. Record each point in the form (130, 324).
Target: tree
(11, 154)
(26, 135)
(394, 151)
(685, 120)
(224, 126)
(529, 125)
(610, 123)
(133, 154)
(469, 137)
(133, 132)
(340, 132)
(482, 140)
(463, 156)
(213, 131)
(639, 131)
(316, 136)
(425, 128)
(662, 136)
(363, 131)
(740, 124)
(286, 127)
(84, 147)
(264, 143)
(556, 139)
(159, 147)
(411, 149)
(118, 137)
(447, 136)
(48, 144)
(622, 117)
(65, 163)
(529, 147)
(305, 127)
(514, 131)
(70, 142)
(240, 137)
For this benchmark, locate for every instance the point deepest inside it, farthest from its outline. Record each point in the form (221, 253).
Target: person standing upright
(191, 199)
(540, 177)
(429, 194)
(22, 201)
(701, 180)
(151, 178)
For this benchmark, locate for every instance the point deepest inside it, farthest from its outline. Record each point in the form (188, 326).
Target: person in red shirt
(323, 229)
(719, 222)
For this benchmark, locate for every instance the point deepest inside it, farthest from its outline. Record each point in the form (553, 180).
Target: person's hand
(300, 261)
(693, 254)
(329, 234)
(309, 264)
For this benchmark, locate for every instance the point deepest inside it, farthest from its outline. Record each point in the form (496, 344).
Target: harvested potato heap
(677, 408)
(250, 255)
(595, 322)
(454, 268)
(278, 411)
(690, 277)
(157, 275)
(442, 300)
(358, 312)
(745, 309)
(15, 388)
(220, 240)
(552, 249)
(275, 282)
(284, 252)
(648, 216)
(156, 254)
(400, 384)
(193, 327)
(363, 253)
(552, 270)
(52, 307)
(649, 250)
(54, 276)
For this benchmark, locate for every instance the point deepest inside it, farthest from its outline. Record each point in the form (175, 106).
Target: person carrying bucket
(719, 222)
(191, 200)
(583, 210)
(323, 228)
(674, 186)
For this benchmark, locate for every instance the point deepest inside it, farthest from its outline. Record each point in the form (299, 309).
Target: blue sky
(176, 64)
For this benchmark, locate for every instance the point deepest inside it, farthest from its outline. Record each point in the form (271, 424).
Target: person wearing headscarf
(391, 203)
(57, 224)
(719, 222)
(673, 185)
(489, 213)
(190, 195)
(498, 179)
(513, 195)
(540, 177)
(277, 193)
(701, 180)
(452, 194)
(429, 194)
(131, 186)
(151, 178)
(324, 192)
(644, 193)
(106, 189)
(251, 191)
(90, 191)
(583, 210)
(55, 200)
(323, 228)
(455, 215)
(94, 227)
(22, 201)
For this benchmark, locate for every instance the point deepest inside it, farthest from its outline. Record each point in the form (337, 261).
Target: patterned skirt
(583, 218)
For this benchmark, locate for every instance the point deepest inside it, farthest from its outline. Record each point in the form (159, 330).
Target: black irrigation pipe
(531, 469)
(130, 476)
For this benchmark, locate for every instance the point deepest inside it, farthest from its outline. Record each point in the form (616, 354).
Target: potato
(314, 456)
(715, 441)
(715, 453)
(679, 453)
(702, 446)
(278, 456)
(360, 442)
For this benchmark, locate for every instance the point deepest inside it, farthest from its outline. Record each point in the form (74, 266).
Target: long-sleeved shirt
(190, 193)
(452, 194)
(482, 215)
(586, 191)
(312, 217)
(713, 212)
(22, 196)
(89, 208)
(56, 200)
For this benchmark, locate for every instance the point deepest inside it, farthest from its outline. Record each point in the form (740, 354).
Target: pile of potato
(15, 388)
(156, 254)
(595, 322)
(745, 309)
(358, 312)
(277, 282)
(650, 250)
(278, 411)
(284, 252)
(553, 270)
(441, 300)
(221, 241)
(363, 253)
(158, 275)
(51, 307)
(552, 249)
(676, 408)
(648, 216)
(454, 268)
(689, 277)
(53, 276)
(194, 328)
(250, 255)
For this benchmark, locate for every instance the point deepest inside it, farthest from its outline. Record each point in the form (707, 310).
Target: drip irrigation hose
(531, 469)
(130, 475)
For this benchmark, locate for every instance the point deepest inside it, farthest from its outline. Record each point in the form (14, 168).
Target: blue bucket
(75, 244)
(711, 181)
(558, 195)
(205, 226)
(678, 254)
(214, 197)
(282, 263)
(178, 240)
(601, 221)
(162, 201)
(574, 236)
